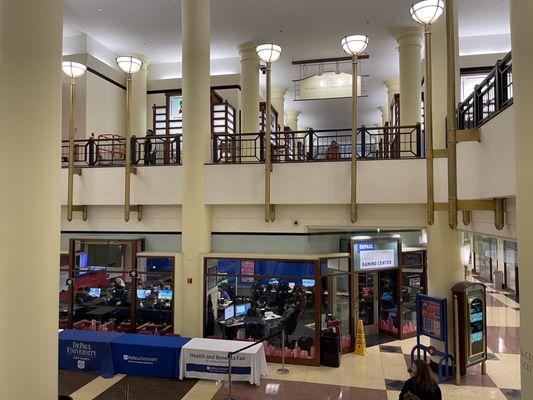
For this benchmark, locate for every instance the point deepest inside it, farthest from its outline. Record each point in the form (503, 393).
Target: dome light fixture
(354, 45)
(268, 52)
(427, 12)
(129, 64)
(73, 69)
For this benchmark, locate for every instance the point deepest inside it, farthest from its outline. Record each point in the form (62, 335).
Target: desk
(208, 359)
(148, 355)
(101, 313)
(87, 351)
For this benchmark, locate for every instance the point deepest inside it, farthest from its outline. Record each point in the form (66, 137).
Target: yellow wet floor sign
(360, 341)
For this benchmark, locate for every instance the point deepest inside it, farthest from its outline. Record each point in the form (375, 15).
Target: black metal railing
(110, 152)
(489, 98)
(319, 145)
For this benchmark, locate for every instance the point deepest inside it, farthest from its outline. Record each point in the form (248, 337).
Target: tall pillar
(410, 48)
(139, 98)
(384, 110)
(445, 267)
(195, 215)
(393, 87)
(30, 78)
(521, 31)
(291, 119)
(249, 88)
(278, 101)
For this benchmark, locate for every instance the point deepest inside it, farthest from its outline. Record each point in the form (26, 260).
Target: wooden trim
(177, 90)
(440, 153)
(476, 70)
(100, 75)
(468, 135)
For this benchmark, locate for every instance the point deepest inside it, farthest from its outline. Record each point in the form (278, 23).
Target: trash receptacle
(330, 349)
(497, 279)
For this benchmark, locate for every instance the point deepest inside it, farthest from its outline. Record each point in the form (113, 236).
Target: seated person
(333, 152)
(82, 296)
(255, 326)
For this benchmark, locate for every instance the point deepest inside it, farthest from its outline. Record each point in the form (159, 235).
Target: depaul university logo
(81, 364)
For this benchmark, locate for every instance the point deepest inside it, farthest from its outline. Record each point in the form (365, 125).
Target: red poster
(247, 268)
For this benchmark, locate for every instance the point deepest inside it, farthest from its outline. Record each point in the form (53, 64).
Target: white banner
(329, 85)
(376, 259)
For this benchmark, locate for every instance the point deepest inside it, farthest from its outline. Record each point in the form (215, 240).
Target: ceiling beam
(327, 60)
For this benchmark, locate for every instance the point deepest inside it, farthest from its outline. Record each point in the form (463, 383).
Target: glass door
(389, 319)
(368, 301)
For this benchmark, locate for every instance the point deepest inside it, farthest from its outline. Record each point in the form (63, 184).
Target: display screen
(94, 292)
(229, 312)
(242, 309)
(143, 294)
(476, 326)
(308, 282)
(165, 295)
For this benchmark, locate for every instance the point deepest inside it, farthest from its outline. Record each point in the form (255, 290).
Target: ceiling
(304, 28)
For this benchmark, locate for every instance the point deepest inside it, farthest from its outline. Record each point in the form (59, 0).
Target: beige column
(30, 82)
(278, 101)
(249, 88)
(291, 119)
(384, 110)
(521, 31)
(445, 266)
(410, 48)
(195, 215)
(139, 122)
(393, 87)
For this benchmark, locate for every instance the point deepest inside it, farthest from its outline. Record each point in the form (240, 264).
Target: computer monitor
(242, 309)
(292, 285)
(308, 282)
(165, 295)
(95, 292)
(229, 312)
(143, 293)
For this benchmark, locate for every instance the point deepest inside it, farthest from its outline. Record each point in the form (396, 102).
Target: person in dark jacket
(421, 384)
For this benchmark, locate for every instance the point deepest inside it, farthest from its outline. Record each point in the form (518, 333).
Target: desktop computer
(242, 309)
(308, 282)
(143, 293)
(229, 312)
(95, 292)
(165, 295)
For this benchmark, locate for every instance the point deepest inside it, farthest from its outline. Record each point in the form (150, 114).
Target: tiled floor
(379, 375)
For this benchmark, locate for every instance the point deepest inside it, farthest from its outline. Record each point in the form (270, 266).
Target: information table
(208, 359)
(148, 355)
(87, 351)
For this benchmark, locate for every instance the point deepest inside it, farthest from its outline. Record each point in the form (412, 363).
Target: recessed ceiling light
(100, 9)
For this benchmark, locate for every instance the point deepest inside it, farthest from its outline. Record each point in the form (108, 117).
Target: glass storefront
(106, 286)
(250, 299)
(510, 250)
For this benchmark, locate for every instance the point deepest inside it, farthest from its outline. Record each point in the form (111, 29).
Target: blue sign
(365, 246)
(431, 314)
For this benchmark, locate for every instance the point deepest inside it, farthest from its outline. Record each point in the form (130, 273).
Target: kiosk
(470, 325)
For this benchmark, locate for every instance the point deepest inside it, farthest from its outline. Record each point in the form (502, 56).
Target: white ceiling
(304, 28)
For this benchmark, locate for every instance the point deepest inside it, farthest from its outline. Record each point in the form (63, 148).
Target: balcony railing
(376, 143)
(489, 98)
(109, 151)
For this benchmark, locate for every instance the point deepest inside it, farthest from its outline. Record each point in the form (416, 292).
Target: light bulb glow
(427, 12)
(73, 69)
(354, 44)
(268, 52)
(129, 64)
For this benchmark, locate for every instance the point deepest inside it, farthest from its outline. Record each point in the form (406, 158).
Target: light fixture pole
(427, 12)
(73, 70)
(129, 65)
(268, 53)
(354, 45)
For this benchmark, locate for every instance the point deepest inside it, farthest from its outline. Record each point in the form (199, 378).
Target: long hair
(423, 379)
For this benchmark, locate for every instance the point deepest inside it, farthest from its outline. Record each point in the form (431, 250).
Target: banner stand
(432, 321)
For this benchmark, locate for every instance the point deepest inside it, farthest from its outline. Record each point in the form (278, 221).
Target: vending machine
(470, 324)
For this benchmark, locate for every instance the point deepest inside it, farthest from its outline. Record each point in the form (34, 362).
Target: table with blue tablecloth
(148, 355)
(87, 351)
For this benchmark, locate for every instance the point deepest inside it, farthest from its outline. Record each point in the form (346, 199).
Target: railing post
(498, 92)
(311, 144)
(229, 397)
(283, 370)
(477, 108)
(214, 149)
(418, 140)
(261, 146)
(362, 132)
(91, 151)
(134, 150)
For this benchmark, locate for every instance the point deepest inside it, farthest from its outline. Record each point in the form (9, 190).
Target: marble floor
(378, 375)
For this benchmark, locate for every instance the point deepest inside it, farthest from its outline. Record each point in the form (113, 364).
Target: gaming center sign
(376, 259)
